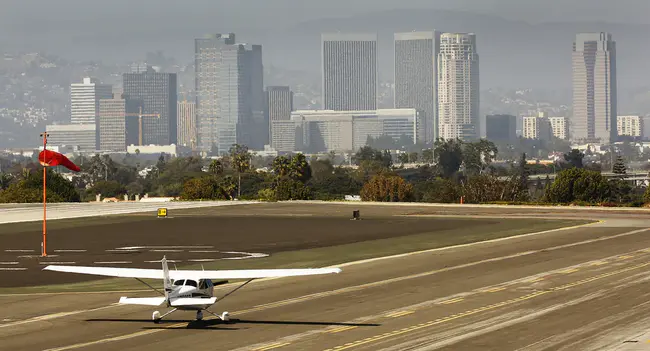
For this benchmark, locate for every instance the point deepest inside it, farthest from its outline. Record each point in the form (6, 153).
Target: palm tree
(240, 160)
(216, 167)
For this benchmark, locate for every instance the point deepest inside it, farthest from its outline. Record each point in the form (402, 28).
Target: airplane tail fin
(167, 282)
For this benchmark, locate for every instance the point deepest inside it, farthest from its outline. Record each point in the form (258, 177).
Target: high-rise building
(278, 104)
(630, 126)
(158, 93)
(559, 127)
(458, 87)
(594, 88)
(416, 83)
(501, 128)
(207, 61)
(186, 123)
(118, 123)
(81, 137)
(537, 127)
(230, 93)
(84, 100)
(349, 71)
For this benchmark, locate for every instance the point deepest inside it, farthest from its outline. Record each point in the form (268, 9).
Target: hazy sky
(30, 16)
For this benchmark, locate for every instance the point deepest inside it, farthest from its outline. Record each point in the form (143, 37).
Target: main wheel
(225, 316)
(199, 315)
(156, 317)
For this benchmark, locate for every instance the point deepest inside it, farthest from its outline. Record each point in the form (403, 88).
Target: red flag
(51, 158)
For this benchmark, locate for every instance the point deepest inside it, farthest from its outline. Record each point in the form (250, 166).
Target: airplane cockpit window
(179, 282)
(190, 283)
(203, 284)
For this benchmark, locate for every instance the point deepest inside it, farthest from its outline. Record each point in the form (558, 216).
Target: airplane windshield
(190, 283)
(179, 282)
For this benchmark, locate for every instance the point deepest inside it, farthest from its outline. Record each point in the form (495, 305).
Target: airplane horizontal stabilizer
(147, 301)
(192, 301)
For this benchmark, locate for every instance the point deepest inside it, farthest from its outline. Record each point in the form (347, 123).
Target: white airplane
(187, 289)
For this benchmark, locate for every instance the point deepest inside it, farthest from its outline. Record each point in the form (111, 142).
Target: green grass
(327, 256)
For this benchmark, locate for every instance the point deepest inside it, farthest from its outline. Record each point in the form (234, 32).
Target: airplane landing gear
(199, 315)
(156, 316)
(225, 316)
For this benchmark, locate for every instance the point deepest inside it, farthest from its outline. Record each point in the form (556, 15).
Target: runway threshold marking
(272, 346)
(481, 309)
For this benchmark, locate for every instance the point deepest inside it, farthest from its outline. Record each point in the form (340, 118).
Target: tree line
(451, 171)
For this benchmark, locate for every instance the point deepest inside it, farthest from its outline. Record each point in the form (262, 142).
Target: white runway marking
(248, 255)
(123, 251)
(163, 247)
(70, 250)
(55, 315)
(203, 260)
(8, 262)
(44, 263)
(19, 250)
(158, 261)
(203, 251)
(12, 269)
(165, 250)
(112, 262)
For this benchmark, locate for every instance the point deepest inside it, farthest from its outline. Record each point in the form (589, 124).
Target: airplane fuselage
(188, 288)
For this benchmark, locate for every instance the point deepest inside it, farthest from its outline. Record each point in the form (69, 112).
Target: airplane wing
(147, 301)
(191, 274)
(110, 271)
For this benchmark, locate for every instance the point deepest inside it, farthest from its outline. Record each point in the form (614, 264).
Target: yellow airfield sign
(162, 212)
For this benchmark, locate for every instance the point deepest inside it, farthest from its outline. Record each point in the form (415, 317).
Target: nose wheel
(199, 315)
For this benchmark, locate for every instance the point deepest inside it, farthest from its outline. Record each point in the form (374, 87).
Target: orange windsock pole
(44, 243)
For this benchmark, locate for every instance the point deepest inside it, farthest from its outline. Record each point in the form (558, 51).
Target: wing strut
(151, 287)
(237, 288)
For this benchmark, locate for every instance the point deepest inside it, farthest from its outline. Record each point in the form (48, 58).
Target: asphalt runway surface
(582, 288)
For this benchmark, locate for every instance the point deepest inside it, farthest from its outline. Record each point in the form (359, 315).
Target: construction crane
(140, 115)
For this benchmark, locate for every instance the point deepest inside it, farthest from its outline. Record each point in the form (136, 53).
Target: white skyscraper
(84, 100)
(594, 88)
(458, 87)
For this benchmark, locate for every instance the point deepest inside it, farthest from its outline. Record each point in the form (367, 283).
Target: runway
(583, 288)
(16, 213)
